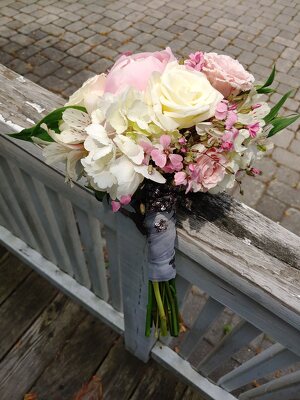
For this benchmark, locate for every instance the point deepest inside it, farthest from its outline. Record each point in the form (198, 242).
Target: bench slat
(273, 358)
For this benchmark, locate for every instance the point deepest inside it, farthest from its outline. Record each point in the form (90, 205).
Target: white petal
(104, 180)
(55, 153)
(76, 118)
(98, 132)
(72, 136)
(132, 150)
(154, 176)
(74, 169)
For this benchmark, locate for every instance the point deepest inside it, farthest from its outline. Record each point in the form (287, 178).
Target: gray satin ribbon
(161, 235)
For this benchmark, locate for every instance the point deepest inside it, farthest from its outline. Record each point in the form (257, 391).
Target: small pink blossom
(126, 199)
(228, 139)
(255, 171)
(115, 205)
(182, 140)
(147, 147)
(255, 106)
(231, 119)
(164, 158)
(180, 178)
(232, 107)
(174, 164)
(195, 61)
(253, 129)
(221, 110)
(227, 146)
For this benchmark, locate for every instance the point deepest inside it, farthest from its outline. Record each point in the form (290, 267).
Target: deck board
(21, 308)
(12, 273)
(52, 347)
(78, 360)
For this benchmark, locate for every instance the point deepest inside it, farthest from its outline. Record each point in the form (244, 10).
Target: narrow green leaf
(264, 90)
(274, 111)
(281, 123)
(270, 80)
(25, 134)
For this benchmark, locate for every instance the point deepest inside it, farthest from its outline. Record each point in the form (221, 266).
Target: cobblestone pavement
(59, 44)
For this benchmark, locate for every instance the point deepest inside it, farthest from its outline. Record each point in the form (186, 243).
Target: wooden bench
(239, 258)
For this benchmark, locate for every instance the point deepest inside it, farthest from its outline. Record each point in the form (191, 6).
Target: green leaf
(52, 121)
(281, 123)
(270, 80)
(274, 111)
(25, 134)
(265, 90)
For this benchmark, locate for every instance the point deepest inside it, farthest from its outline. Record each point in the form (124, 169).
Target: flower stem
(161, 311)
(174, 312)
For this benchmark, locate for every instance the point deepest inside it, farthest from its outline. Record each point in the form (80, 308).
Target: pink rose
(209, 170)
(226, 74)
(135, 70)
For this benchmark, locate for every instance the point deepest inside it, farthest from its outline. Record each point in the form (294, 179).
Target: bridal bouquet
(155, 128)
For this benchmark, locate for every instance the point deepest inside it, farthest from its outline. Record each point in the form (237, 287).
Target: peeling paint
(247, 241)
(37, 107)
(15, 127)
(21, 79)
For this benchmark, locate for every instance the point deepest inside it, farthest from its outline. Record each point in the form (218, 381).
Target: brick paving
(59, 44)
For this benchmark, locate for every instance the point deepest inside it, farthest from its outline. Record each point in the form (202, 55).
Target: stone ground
(59, 44)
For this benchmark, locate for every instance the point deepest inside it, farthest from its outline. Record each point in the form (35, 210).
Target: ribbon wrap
(160, 224)
(161, 235)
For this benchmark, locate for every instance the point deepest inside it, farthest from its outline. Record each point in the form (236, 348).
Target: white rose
(182, 96)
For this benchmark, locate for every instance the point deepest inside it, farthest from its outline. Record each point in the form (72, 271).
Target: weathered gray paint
(114, 270)
(287, 387)
(231, 296)
(242, 334)
(90, 235)
(271, 359)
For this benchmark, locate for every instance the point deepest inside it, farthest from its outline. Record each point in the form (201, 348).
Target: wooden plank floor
(51, 348)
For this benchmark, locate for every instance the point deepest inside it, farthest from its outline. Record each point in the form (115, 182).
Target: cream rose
(181, 97)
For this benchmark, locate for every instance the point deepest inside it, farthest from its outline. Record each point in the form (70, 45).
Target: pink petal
(159, 157)
(147, 147)
(180, 178)
(125, 199)
(165, 141)
(256, 171)
(176, 161)
(231, 119)
(253, 129)
(221, 111)
(115, 205)
(255, 106)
